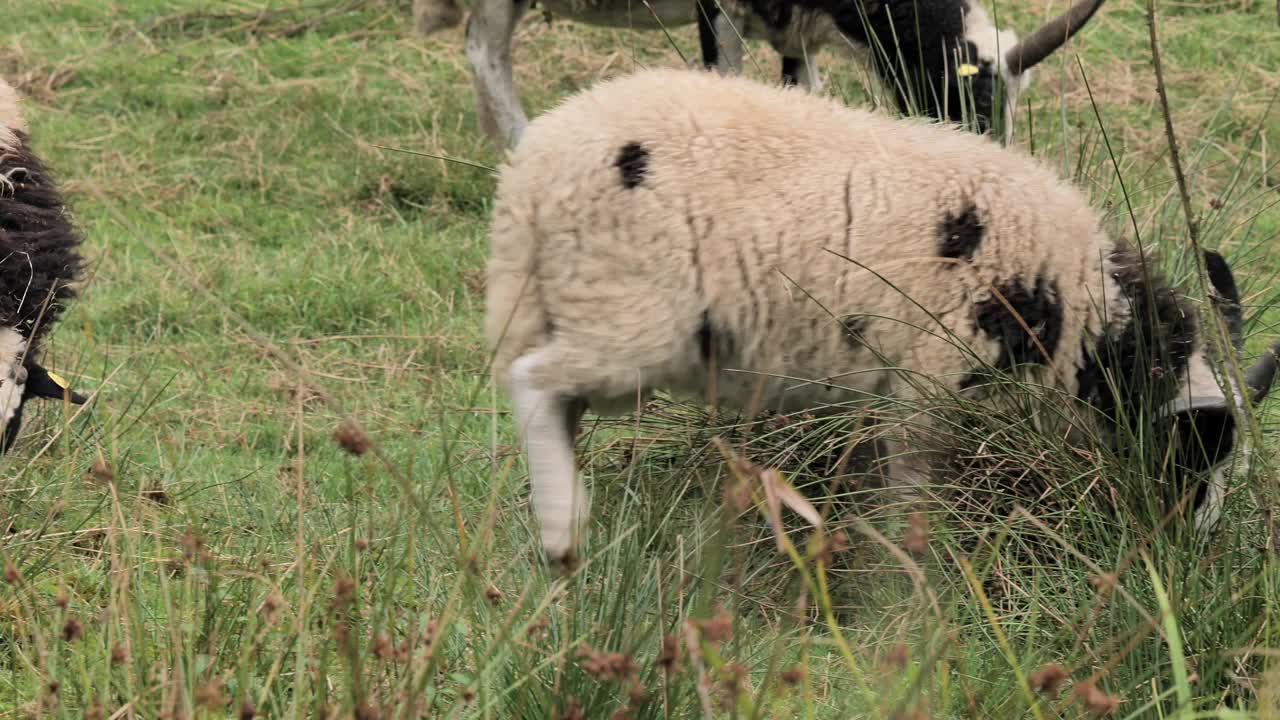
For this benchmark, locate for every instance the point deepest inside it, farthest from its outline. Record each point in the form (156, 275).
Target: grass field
(197, 544)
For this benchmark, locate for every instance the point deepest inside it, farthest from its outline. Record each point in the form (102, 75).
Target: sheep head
(1200, 420)
(989, 62)
(31, 381)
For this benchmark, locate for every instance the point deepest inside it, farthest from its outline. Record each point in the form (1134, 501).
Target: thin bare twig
(1193, 229)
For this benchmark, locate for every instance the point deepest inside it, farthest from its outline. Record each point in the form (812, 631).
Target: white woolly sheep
(38, 263)
(657, 232)
(930, 53)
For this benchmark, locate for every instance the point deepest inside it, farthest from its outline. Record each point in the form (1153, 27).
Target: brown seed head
(94, 711)
(192, 545)
(571, 711)
(1047, 679)
(248, 711)
(468, 695)
(493, 595)
(1095, 701)
(11, 574)
(351, 438)
(536, 626)
(603, 665)
(898, 655)
(1103, 582)
(718, 628)
(365, 711)
(344, 587)
(793, 675)
(118, 654)
(72, 630)
(732, 678)
(835, 543)
(669, 657)
(271, 605)
(916, 537)
(382, 648)
(362, 544)
(101, 472)
(62, 599)
(210, 696)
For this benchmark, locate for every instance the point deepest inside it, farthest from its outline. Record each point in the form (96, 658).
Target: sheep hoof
(563, 563)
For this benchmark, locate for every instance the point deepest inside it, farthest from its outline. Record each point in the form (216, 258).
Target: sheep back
(662, 219)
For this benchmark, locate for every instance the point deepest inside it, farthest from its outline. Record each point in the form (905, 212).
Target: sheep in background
(658, 232)
(957, 49)
(38, 262)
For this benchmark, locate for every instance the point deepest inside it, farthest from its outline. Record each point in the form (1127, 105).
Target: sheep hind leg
(547, 422)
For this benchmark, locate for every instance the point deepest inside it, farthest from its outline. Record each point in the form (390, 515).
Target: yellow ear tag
(965, 70)
(57, 379)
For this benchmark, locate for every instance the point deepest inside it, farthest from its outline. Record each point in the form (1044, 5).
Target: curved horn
(1049, 37)
(1262, 375)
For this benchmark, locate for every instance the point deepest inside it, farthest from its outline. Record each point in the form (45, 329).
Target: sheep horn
(1049, 37)
(1262, 375)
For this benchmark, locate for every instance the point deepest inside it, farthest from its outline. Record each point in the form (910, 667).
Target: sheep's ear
(1220, 276)
(42, 383)
(1262, 375)
(1226, 296)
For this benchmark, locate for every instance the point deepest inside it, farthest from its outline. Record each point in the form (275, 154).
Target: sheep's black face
(1195, 443)
(30, 381)
(971, 94)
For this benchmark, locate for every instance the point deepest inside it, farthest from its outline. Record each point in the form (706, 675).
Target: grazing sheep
(38, 261)
(656, 231)
(951, 45)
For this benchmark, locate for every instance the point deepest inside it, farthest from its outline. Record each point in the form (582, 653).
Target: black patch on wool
(960, 235)
(853, 330)
(1037, 305)
(791, 71)
(38, 244)
(1145, 358)
(632, 163)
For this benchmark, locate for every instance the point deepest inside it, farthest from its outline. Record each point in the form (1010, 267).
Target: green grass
(261, 269)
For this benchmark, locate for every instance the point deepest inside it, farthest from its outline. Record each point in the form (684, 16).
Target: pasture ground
(197, 544)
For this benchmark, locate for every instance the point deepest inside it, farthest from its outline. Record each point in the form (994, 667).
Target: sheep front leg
(548, 421)
(800, 71)
(488, 45)
(719, 40)
(908, 470)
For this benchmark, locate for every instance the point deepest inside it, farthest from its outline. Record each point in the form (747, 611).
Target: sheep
(38, 263)
(955, 49)
(655, 232)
